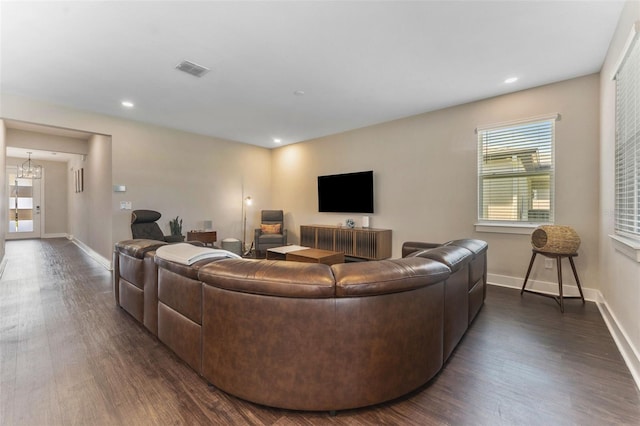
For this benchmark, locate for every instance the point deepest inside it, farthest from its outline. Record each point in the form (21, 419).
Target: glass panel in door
(24, 206)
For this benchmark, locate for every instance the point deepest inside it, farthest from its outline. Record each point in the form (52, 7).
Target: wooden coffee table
(312, 255)
(304, 254)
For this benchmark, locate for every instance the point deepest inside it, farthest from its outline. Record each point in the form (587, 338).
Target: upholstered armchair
(143, 225)
(271, 232)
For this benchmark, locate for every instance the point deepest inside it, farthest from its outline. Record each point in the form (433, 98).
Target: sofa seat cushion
(138, 247)
(270, 277)
(386, 276)
(270, 238)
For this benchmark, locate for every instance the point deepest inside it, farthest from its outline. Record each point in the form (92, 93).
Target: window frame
(622, 146)
(514, 226)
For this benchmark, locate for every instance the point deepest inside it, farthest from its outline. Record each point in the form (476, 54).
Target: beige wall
(53, 198)
(191, 176)
(3, 190)
(425, 174)
(620, 275)
(45, 142)
(177, 173)
(97, 186)
(90, 209)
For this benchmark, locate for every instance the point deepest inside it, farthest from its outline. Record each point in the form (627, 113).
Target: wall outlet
(548, 263)
(125, 205)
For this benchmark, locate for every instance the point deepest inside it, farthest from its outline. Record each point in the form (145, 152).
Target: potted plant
(176, 230)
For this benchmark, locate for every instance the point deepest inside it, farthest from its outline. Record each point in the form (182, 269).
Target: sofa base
(131, 299)
(476, 299)
(181, 335)
(321, 354)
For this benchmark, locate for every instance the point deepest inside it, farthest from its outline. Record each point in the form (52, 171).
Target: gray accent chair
(144, 226)
(264, 241)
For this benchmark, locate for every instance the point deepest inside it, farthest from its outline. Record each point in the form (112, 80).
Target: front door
(24, 206)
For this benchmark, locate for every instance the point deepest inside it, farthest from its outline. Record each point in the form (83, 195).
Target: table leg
(559, 263)
(526, 277)
(575, 274)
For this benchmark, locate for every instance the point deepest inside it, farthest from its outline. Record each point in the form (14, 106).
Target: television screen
(346, 193)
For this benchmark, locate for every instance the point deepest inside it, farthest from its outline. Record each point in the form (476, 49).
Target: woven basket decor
(558, 239)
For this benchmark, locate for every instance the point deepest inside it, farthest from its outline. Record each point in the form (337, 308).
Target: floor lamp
(245, 203)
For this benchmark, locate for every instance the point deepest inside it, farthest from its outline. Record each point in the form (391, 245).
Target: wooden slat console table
(364, 243)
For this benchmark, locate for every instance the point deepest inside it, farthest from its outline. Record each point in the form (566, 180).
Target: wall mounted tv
(346, 193)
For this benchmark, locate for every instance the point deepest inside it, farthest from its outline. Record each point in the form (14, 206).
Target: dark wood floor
(68, 355)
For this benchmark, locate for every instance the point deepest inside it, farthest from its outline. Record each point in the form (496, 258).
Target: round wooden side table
(558, 256)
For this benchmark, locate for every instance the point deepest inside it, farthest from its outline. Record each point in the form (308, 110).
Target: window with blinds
(627, 154)
(515, 172)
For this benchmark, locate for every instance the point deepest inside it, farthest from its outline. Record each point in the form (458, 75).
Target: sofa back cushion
(478, 267)
(387, 276)
(189, 271)
(270, 277)
(409, 247)
(138, 247)
(454, 257)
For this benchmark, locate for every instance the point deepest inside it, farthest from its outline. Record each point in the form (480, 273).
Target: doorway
(24, 206)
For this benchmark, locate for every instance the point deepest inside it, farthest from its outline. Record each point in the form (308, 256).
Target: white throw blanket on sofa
(188, 254)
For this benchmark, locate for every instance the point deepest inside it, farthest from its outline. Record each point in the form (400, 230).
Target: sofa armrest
(409, 247)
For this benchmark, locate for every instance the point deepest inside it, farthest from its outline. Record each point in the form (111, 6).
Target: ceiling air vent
(192, 68)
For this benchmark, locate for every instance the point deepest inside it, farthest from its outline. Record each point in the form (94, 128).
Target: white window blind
(516, 172)
(627, 156)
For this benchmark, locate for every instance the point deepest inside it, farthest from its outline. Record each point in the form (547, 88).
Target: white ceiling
(358, 63)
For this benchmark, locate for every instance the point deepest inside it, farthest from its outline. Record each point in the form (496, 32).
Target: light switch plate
(125, 205)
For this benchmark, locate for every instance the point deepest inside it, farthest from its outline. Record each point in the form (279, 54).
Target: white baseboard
(568, 290)
(58, 235)
(3, 264)
(629, 352)
(93, 254)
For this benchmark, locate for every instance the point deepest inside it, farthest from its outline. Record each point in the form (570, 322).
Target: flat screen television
(346, 193)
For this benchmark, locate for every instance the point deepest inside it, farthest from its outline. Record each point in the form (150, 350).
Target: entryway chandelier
(28, 170)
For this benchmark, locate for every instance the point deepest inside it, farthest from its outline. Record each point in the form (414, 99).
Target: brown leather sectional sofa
(315, 337)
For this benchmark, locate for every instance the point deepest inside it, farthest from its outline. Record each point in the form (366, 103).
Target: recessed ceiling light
(299, 93)
(127, 104)
(511, 80)
(276, 140)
